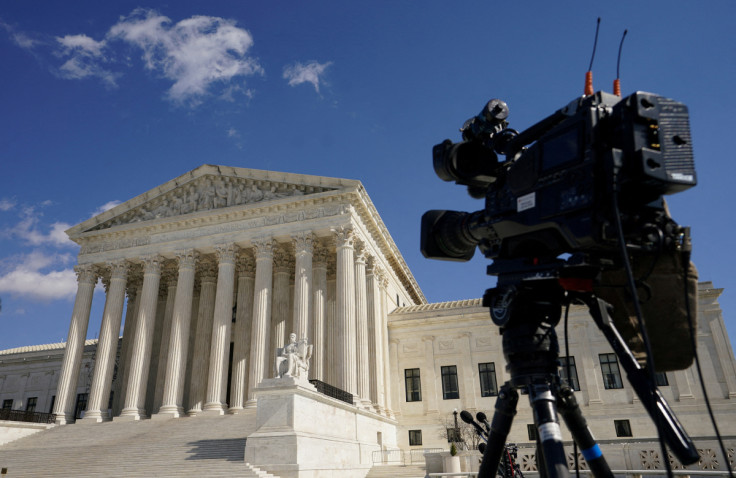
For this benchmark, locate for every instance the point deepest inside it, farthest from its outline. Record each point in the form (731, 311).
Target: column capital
(282, 261)
(321, 255)
(226, 253)
(427, 338)
(118, 269)
(187, 258)
(86, 273)
(152, 264)
(344, 236)
(208, 270)
(304, 242)
(360, 252)
(263, 247)
(246, 265)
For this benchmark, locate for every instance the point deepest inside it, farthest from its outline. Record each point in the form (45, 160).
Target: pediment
(208, 188)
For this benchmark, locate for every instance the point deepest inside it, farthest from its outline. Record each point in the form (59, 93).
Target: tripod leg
(500, 427)
(578, 427)
(548, 430)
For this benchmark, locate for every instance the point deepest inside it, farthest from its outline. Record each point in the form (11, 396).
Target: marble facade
(226, 255)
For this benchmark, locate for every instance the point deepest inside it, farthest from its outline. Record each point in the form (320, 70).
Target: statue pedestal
(303, 434)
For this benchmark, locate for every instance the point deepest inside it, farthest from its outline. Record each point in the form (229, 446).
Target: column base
(131, 414)
(92, 417)
(63, 419)
(170, 411)
(250, 404)
(235, 410)
(214, 408)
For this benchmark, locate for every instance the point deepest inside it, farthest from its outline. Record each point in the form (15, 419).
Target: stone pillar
(361, 326)
(319, 309)
(121, 385)
(135, 396)
(171, 278)
(395, 399)
(192, 336)
(202, 342)
(246, 266)
(107, 347)
(261, 316)
(347, 379)
(67, 386)
(330, 357)
(390, 389)
(303, 249)
(433, 383)
(179, 337)
(222, 323)
(375, 335)
(282, 266)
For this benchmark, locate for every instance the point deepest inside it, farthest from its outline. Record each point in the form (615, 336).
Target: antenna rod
(617, 81)
(589, 74)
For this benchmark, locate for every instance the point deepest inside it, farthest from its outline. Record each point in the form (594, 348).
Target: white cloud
(28, 278)
(105, 207)
(194, 53)
(6, 204)
(86, 59)
(21, 39)
(28, 230)
(311, 72)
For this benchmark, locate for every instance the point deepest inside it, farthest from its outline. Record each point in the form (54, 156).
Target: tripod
(527, 305)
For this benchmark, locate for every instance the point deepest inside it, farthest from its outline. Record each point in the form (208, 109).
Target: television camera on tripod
(575, 214)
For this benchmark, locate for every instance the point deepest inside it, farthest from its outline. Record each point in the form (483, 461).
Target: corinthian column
(375, 335)
(303, 248)
(200, 361)
(170, 276)
(246, 266)
(319, 308)
(261, 315)
(172, 405)
(347, 379)
(107, 346)
(135, 396)
(361, 326)
(66, 391)
(282, 266)
(223, 319)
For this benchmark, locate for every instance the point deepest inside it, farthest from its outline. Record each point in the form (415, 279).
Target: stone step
(397, 471)
(199, 446)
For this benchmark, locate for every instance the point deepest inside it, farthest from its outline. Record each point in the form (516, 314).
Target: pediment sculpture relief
(209, 193)
(293, 359)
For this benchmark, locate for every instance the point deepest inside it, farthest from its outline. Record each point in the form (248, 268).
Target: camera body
(555, 191)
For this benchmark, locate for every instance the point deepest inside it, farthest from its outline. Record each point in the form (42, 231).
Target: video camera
(566, 181)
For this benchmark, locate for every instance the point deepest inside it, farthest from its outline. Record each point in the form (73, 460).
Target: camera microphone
(484, 420)
(468, 418)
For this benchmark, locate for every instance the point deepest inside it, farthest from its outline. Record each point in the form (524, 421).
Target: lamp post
(454, 413)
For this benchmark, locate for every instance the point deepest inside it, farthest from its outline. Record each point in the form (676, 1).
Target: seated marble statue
(293, 359)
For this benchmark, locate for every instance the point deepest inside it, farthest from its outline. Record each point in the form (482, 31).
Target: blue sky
(102, 101)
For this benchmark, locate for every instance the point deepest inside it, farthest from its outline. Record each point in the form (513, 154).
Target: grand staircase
(203, 446)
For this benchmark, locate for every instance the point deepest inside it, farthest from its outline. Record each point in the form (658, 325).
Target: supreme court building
(212, 271)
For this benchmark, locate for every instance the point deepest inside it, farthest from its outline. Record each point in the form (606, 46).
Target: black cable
(693, 344)
(640, 320)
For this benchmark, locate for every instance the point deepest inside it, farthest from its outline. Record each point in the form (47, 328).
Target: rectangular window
(623, 428)
(661, 379)
(568, 363)
(531, 430)
(81, 405)
(413, 385)
(449, 382)
(8, 404)
(415, 438)
(609, 370)
(487, 374)
(31, 404)
(53, 401)
(454, 436)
